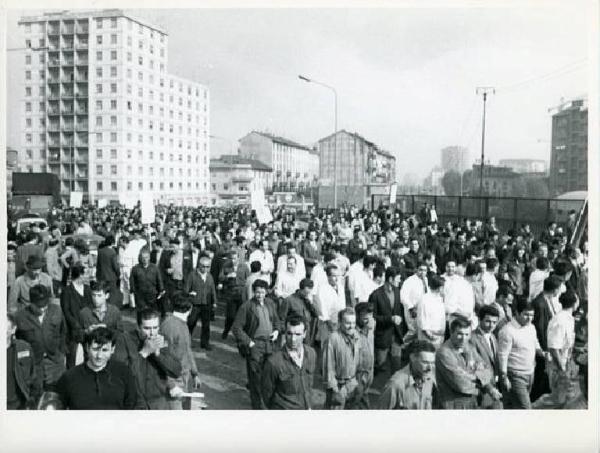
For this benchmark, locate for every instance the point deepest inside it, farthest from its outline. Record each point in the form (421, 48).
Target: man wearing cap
(42, 325)
(19, 292)
(30, 248)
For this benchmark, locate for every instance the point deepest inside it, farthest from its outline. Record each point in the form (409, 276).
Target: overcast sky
(406, 78)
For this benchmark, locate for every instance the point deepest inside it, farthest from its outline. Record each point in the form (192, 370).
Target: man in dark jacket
(390, 325)
(21, 381)
(288, 374)
(301, 304)
(544, 310)
(42, 325)
(201, 285)
(73, 299)
(107, 265)
(152, 363)
(145, 282)
(256, 329)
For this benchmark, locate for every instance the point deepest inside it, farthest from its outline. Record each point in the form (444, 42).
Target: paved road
(223, 370)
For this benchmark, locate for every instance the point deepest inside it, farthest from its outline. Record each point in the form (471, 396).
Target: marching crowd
(455, 316)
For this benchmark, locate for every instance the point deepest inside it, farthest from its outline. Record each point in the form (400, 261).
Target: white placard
(393, 191)
(102, 203)
(263, 214)
(76, 199)
(147, 206)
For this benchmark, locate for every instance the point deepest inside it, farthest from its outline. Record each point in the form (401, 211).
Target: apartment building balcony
(53, 95)
(67, 45)
(81, 94)
(53, 158)
(81, 78)
(66, 111)
(67, 127)
(53, 127)
(81, 111)
(81, 142)
(53, 62)
(82, 125)
(53, 143)
(68, 61)
(82, 28)
(68, 29)
(54, 29)
(81, 44)
(67, 94)
(52, 79)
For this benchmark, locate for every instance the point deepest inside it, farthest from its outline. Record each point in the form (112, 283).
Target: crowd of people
(455, 316)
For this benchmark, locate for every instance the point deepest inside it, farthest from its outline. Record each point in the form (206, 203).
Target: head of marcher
(295, 331)
(34, 266)
(100, 290)
(421, 354)
(460, 332)
(488, 318)
(39, 298)
(347, 321)
(525, 311)
(99, 345)
(306, 287)
(260, 288)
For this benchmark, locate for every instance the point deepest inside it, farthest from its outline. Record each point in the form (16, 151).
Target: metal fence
(510, 212)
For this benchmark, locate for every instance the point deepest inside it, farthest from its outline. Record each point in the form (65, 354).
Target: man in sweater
(99, 383)
(517, 348)
(19, 292)
(201, 286)
(177, 335)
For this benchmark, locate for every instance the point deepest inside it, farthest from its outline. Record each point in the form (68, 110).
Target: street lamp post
(308, 80)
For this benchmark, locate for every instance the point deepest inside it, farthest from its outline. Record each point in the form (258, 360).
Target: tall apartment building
(568, 157)
(295, 166)
(101, 111)
(455, 158)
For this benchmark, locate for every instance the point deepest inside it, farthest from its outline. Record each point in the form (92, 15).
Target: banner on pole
(76, 199)
(102, 203)
(393, 191)
(147, 205)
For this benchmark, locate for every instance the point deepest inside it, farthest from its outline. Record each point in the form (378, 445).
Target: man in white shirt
(561, 339)
(330, 299)
(537, 277)
(431, 315)
(359, 279)
(412, 292)
(288, 281)
(489, 282)
(459, 298)
(265, 257)
(517, 348)
(300, 269)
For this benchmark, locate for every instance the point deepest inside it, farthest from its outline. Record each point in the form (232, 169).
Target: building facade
(455, 158)
(101, 111)
(497, 181)
(295, 166)
(12, 163)
(233, 178)
(525, 165)
(568, 158)
(360, 162)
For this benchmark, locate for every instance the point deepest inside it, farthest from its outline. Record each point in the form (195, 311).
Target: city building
(568, 158)
(455, 158)
(101, 111)
(433, 182)
(234, 177)
(497, 181)
(12, 162)
(363, 168)
(295, 166)
(525, 165)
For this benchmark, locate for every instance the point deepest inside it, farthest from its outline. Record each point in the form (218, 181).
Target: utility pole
(484, 91)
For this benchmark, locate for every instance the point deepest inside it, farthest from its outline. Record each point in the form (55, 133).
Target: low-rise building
(234, 177)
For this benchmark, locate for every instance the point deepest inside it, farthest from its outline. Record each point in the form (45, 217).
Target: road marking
(220, 385)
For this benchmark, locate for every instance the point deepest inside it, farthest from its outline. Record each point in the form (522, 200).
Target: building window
(27, 91)
(113, 170)
(99, 170)
(113, 55)
(99, 40)
(98, 154)
(98, 105)
(99, 73)
(99, 186)
(99, 55)
(113, 120)
(113, 39)
(162, 186)
(28, 106)
(28, 122)
(129, 185)
(128, 56)
(98, 23)
(113, 137)
(113, 87)
(140, 60)
(113, 22)
(113, 71)
(98, 121)
(98, 88)
(27, 59)
(225, 186)
(140, 185)
(129, 40)
(113, 104)
(27, 75)
(113, 153)
(113, 186)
